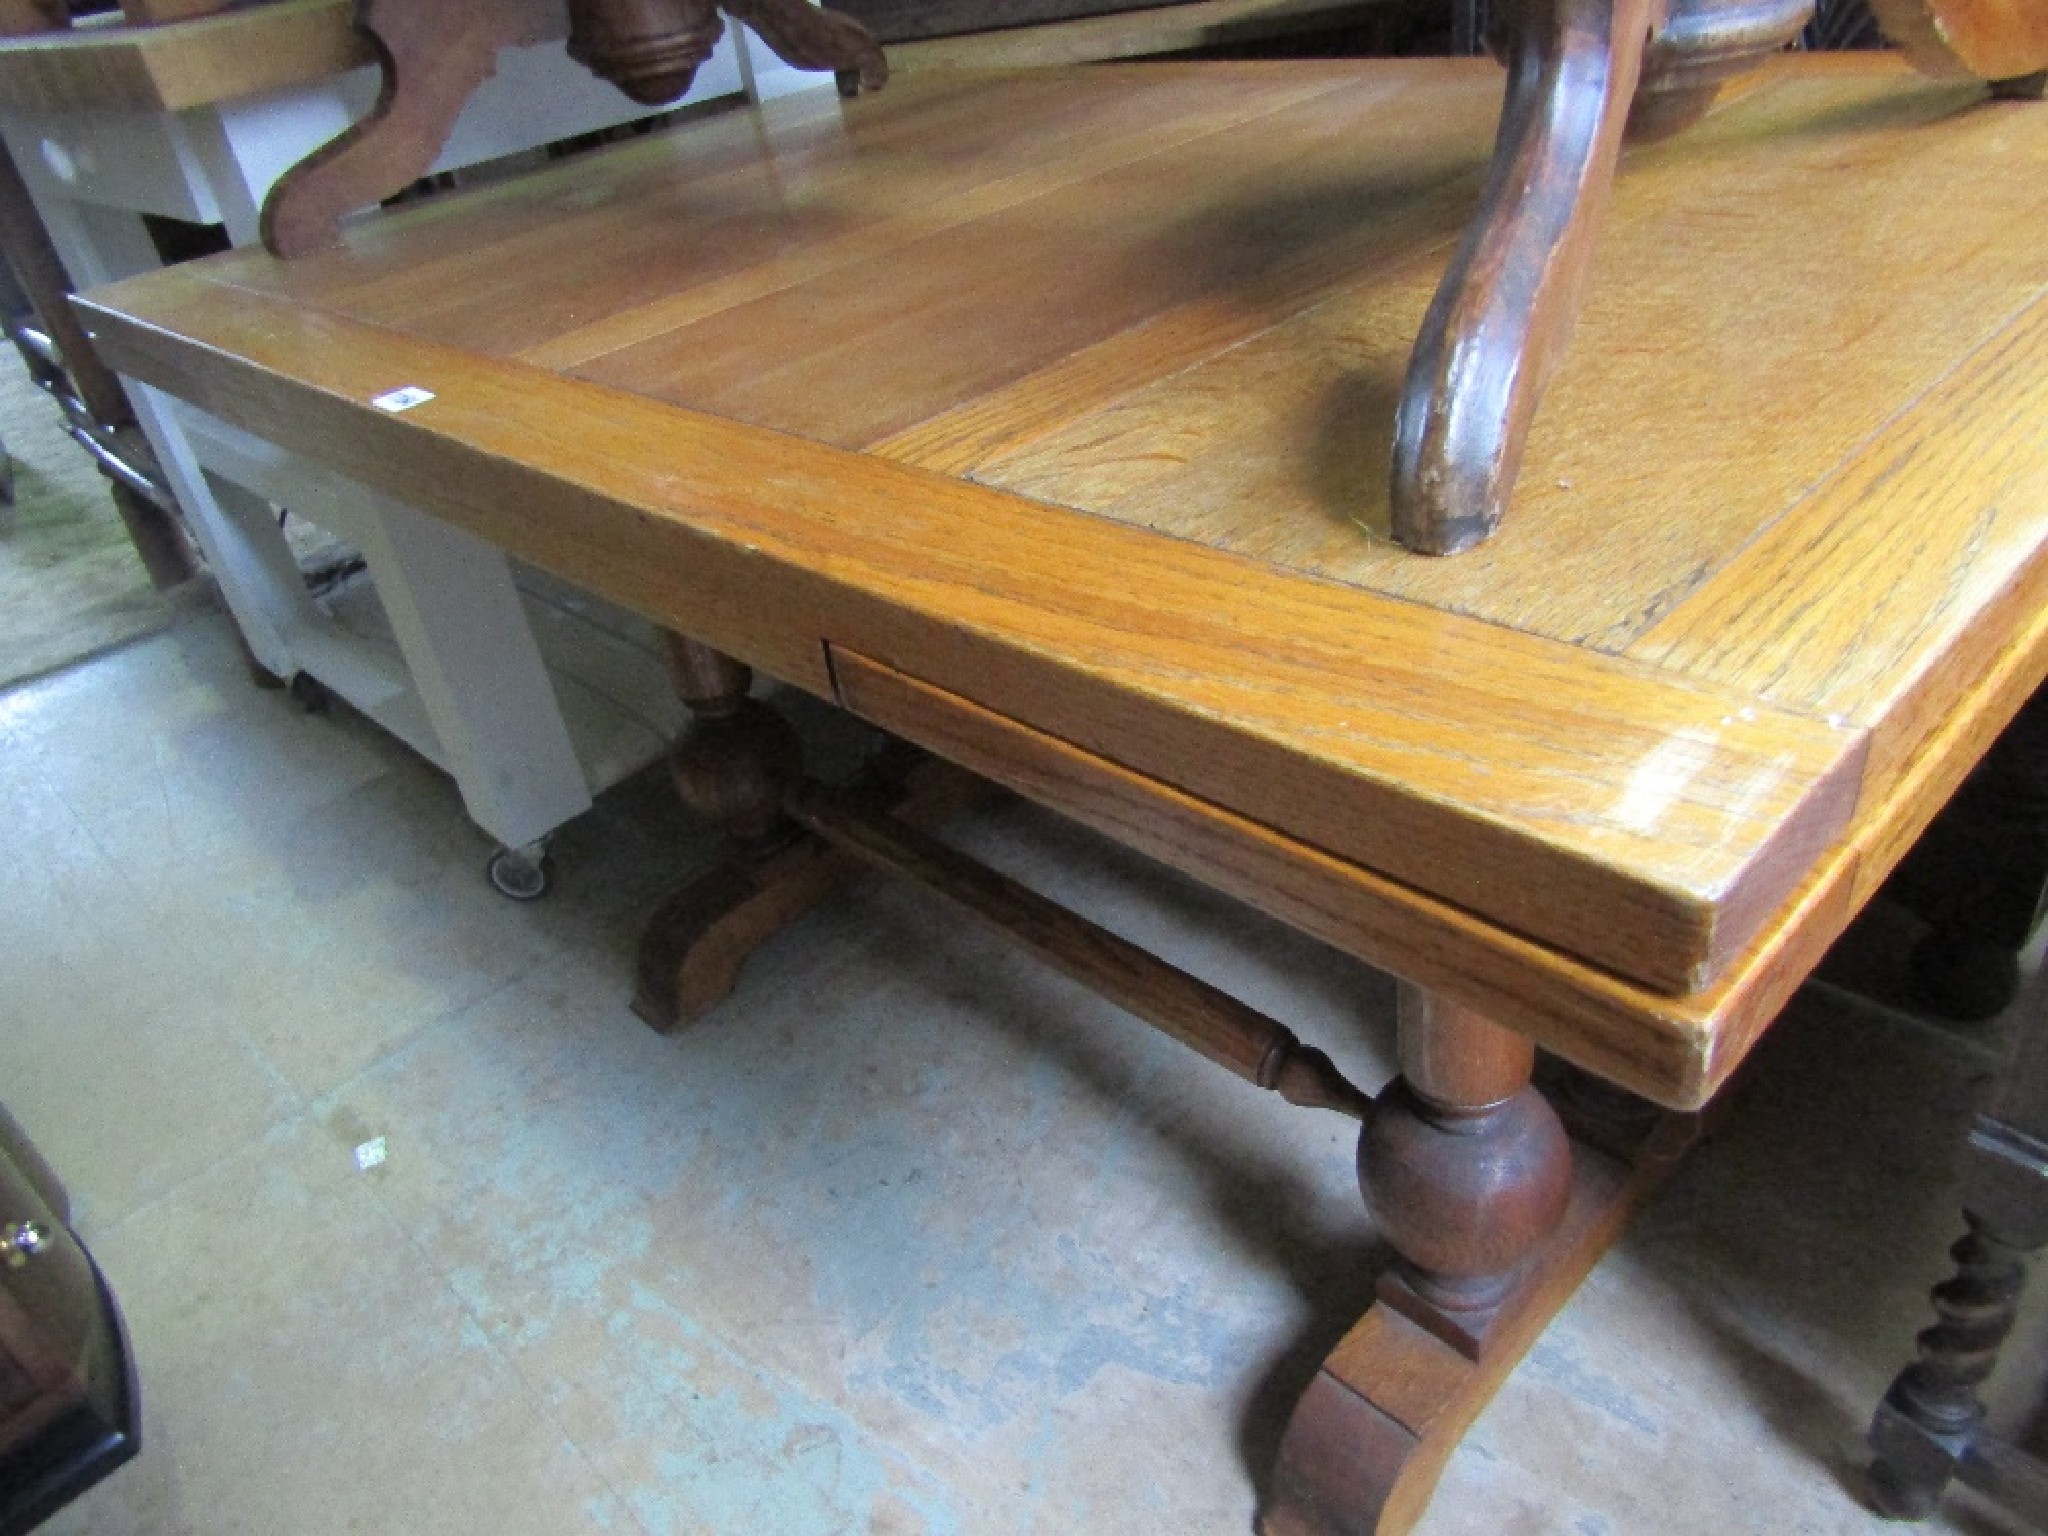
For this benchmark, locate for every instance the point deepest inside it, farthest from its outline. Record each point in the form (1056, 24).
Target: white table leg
(458, 621)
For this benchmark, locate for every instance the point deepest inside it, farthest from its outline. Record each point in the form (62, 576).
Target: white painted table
(534, 697)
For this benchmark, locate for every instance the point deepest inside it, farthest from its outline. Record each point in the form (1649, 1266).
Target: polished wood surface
(1296, 703)
(1023, 417)
(188, 64)
(911, 389)
(1121, 34)
(1991, 39)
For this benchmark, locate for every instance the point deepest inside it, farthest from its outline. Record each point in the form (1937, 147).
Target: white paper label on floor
(403, 399)
(370, 1154)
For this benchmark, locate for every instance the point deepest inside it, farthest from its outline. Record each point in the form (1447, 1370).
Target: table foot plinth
(692, 951)
(737, 765)
(1496, 1217)
(698, 940)
(1370, 1437)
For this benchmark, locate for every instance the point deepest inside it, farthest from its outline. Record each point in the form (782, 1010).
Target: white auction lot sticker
(403, 399)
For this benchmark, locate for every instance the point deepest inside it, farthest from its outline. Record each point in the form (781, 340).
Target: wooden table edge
(1670, 938)
(176, 66)
(1675, 1047)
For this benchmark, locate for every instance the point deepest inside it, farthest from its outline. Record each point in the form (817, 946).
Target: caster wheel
(520, 874)
(309, 693)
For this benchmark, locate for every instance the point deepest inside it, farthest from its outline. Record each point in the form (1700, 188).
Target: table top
(1057, 406)
(106, 67)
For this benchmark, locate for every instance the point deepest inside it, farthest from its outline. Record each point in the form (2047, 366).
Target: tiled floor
(908, 1237)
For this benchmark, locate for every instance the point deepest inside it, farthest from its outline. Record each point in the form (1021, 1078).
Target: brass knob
(22, 1241)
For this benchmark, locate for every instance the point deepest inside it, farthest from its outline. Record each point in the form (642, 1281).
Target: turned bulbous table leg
(734, 764)
(738, 758)
(1464, 1165)
(1495, 1215)
(739, 764)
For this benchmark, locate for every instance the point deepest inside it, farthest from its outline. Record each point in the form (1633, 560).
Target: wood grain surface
(1990, 39)
(189, 64)
(1657, 822)
(1184, 297)
(1123, 34)
(1867, 600)
(1761, 258)
(1049, 395)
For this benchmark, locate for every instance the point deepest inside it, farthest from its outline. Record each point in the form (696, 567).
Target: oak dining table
(1043, 420)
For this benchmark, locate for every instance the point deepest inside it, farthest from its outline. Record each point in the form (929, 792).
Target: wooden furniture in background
(1579, 71)
(70, 1413)
(286, 45)
(531, 697)
(1930, 1429)
(436, 53)
(896, 21)
(20, 17)
(2002, 40)
(1000, 34)
(1977, 879)
(1031, 418)
(97, 412)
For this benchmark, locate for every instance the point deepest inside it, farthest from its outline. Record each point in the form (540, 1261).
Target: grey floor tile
(305, 1370)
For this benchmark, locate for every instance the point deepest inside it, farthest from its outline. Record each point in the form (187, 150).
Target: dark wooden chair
(70, 1412)
(1930, 1430)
